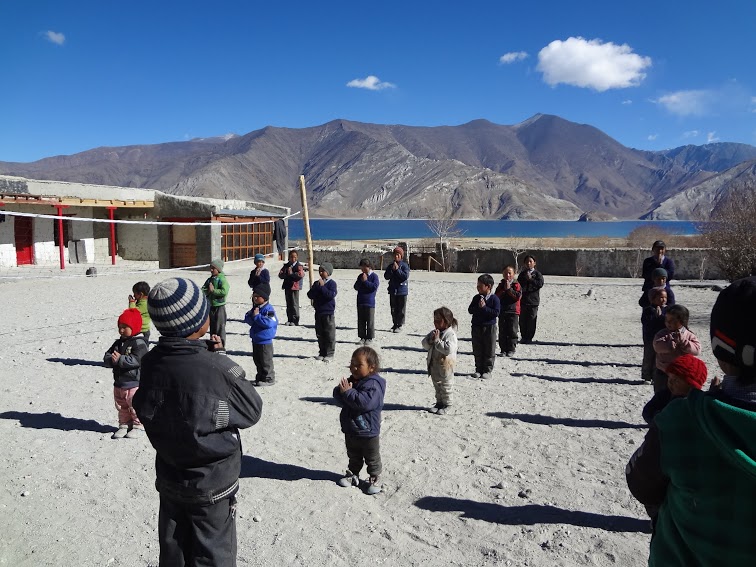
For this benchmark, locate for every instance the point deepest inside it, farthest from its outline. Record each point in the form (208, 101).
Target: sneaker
(349, 479)
(395, 329)
(121, 432)
(259, 383)
(510, 353)
(373, 487)
(361, 341)
(434, 409)
(319, 357)
(136, 432)
(485, 375)
(367, 342)
(327, 359)
(502, 353)
(475, 375)
(441, 411)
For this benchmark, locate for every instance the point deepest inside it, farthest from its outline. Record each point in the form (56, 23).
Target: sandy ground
(528, 469)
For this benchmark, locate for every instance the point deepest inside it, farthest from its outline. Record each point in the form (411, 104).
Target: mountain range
(543, 168)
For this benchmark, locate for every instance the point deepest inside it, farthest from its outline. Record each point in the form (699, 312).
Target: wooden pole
(308, 237)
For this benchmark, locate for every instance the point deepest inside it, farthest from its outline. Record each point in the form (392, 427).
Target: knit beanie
(399, 250)
(328, 267)
(658, 244)
(259, 258)
(689, 368)
(659, 273)
(132, 318)
(732, 332)
(262, 290)
(217, 264)
(178, 307)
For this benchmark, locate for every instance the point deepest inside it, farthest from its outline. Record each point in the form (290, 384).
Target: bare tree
(445, 229)
(645, 235)
(517, 248)
(731, 234)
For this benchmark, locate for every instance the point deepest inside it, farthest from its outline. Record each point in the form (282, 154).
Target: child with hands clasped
(672, 342)
(366, 285)
(292, 273)
(361, 399)
(140, 291)
(263, 324)
(509, 293)
(323, 294)
(124, 357)
(441, 344)
(260, 274)
(484, 309)
(652, 321)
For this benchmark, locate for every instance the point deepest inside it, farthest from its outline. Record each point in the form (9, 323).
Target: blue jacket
(323, 297)
(254, 279)
(484, 316)
(398, 284)
(361, 406)
(366, 289)
(263, 326)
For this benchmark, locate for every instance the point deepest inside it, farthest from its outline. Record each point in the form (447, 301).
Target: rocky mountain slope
(545, 167)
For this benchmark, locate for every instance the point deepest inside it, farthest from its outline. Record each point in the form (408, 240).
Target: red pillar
(111, 211)
(60, 235)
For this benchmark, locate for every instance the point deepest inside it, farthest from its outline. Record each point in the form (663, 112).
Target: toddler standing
(263, 324)
(366, 285)
(140, 292)
(509, 292)
(216, 289)
(260, 274)
(672, 342)
(484, 309)
(361, 399)
(124, 357)
(652, 321)
(441, 344)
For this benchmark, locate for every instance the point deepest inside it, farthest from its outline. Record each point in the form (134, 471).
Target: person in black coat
(531, 281)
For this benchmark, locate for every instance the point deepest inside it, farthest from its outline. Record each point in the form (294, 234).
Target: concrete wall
(137, 241)
(690, 263)
(7, 243)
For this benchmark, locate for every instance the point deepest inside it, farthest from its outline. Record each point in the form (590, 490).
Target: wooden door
(183, 246)
(23, 230)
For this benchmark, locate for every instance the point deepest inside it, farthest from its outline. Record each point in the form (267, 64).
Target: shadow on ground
(567, 421)
(56, 421)
(253, 467)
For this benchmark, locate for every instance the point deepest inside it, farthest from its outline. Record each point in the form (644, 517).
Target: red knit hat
(399, 250)
(131, 318)
(689, 368)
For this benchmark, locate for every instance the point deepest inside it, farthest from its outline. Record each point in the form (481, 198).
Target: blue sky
(651, 74)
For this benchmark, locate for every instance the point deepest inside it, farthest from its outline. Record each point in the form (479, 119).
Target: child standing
(484, 309)
(684, 374)
(263, 324)
(531, 281)
(652, 321)
(138, 300)
(366, 285)
(672, 342)
(192, 402)
(124, 357)
(509, 293)
(292, 273)
(660, 281)
(441, 344)
(397, 275)
(216, 289)
(260, 274)
(361, 399)
(323, 294)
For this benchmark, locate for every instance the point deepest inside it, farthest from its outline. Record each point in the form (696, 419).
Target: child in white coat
(441, 344)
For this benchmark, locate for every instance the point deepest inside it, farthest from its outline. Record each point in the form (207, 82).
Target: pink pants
(123, 398)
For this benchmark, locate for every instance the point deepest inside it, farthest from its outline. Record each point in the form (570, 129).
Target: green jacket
(218, 295)
(141, 304)
(708, 516)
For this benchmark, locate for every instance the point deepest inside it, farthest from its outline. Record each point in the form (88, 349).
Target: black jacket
(531, 287)
(126, 370)
(192, 403)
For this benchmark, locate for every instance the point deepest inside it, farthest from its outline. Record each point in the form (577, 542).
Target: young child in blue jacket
(361, 399)
(366, 285)
(263, 324)
(323, 294)
(484, 308)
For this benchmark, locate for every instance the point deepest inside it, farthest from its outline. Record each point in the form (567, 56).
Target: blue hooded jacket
(361, 406)
(263, 326)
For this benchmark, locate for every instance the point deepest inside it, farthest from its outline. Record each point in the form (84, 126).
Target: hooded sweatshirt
(698, 464)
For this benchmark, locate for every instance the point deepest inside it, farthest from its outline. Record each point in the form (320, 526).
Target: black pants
(367, 449)
(292, 306)
(197, 536)
(262, 355)
(218, 322)
(509, 324)
(649, 361)
(398, 309)
(366, 322)
(325, 330)
(528, 319)
(660, 380)
(484, 347)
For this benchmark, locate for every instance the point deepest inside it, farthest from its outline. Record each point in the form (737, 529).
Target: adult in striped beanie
(178, 307)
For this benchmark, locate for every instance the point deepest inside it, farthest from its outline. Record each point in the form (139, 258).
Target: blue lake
(371, 229)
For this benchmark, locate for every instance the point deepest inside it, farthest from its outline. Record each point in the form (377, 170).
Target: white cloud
(687, 103)
(512, 56)
(591, 64)
(711, 137)
(54, 37)
(628, 101)
(371, 83)
(691, 134)
(652, 137)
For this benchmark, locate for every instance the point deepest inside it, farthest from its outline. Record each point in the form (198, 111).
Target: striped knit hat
(178, 307)
(733, 336)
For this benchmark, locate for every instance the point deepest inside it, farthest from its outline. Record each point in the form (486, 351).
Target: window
(239, 241)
